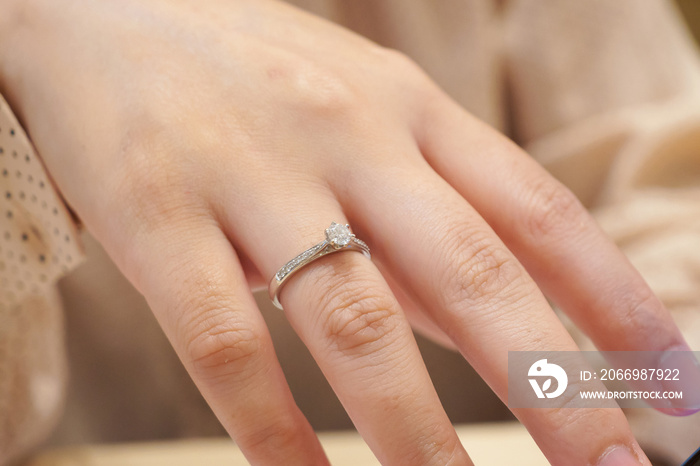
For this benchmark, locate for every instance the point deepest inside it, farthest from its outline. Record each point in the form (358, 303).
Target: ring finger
(347, 316)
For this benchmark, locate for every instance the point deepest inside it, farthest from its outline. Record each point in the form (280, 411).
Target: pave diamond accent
(361, 243)
(338, 238)
(284, 271)
(338, 235)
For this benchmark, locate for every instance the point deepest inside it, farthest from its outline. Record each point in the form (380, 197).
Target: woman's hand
(205, 144)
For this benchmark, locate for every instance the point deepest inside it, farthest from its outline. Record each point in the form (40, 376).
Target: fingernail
(618, 456)
(680, 363)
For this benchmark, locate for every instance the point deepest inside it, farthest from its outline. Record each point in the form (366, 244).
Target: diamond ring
(338, 238)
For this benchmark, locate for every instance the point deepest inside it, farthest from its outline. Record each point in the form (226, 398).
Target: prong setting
(338, 238)
(338, 235)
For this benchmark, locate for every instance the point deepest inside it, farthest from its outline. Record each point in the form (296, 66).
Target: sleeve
(39, 243)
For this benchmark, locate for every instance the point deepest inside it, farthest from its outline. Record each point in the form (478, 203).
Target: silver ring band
(338, 238)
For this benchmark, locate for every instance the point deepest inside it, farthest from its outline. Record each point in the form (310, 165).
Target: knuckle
(640, 315)
(568, 417)
(357, 317)
(409, 82)
(439, 447)
(403, 66)
(316, 91)
(220, 345)
(271, 436)
(223, 352)
(553, 208)
(568, 421)
(480, 269)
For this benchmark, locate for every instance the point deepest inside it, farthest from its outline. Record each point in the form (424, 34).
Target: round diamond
(338, 235)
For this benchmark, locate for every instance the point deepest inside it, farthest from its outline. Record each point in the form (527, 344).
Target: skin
(204, 144)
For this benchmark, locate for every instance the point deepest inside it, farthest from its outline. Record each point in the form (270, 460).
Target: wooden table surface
(488, 444)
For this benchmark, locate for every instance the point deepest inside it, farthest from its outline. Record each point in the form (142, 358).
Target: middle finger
(436, 245)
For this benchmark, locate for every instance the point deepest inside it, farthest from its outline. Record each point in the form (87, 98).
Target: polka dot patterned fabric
(38, 244)
(38, 240)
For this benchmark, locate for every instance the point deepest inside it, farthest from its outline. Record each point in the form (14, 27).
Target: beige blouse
(605, 94)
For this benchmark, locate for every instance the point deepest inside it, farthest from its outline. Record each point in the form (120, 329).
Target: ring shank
(315, 252)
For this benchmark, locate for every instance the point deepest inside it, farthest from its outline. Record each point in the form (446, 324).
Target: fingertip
(618, 455)
(678, 412)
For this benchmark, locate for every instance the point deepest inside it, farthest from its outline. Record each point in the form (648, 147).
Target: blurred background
(691, 13)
